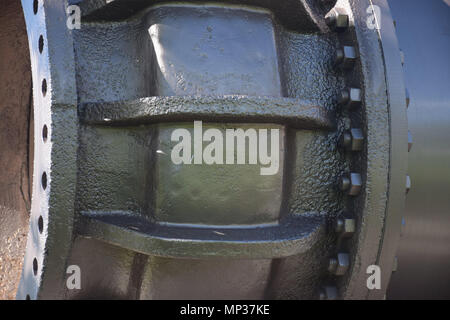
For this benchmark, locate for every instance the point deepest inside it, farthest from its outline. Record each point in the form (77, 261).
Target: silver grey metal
(337, 19)
(350, 98)
(345, 57)
(345, 227)
(352, 140)
(424, 247)
(351, 183)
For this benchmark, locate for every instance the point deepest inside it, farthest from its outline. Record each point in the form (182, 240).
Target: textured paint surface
(308, 15)
(122, 172)
(298, 113)
(196, 52)
(55, 105)
(109, 182)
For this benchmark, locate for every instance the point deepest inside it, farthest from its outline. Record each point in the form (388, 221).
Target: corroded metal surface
(15, 142)
(54, 175)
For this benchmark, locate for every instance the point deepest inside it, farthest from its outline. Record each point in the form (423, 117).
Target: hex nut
(350, 98)
(339, 265)
(345, 57)
(352, 140)
(351, 184)
(337, 19)
(345, 140)
(344, 183)
(345, 227)
(332, 265)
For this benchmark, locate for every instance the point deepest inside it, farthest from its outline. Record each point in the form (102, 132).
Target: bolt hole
(44, 87)
(35, 6)
(35, 266)
(28, 297)
(44, 180)
(41, 224)
(41, 44)
(45, 133)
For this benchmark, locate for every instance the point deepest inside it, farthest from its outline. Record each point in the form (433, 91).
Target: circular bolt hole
(44, 87)
(45, 133)
(35, 6)
(41, 44)
(35, 266)
(28, 297)
(41, 224)
(44, 180)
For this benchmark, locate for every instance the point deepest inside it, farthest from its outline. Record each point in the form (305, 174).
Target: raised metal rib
(294, 112)
(294, 235)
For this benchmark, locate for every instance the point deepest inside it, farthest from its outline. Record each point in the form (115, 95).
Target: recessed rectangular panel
(222, 194)
(212, 50)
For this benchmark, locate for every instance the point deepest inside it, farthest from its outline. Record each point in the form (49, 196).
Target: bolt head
(352, 140)
(328, 293)
(345, 227)
(408, 184)
(343, 262)
(344, 183)
(355, 98)
(339, 264)
(350, 98)
(332, 265)
(337, 19)
(351, 184)
(344, 98)
(356, 184)
(345, 140)
(345, 57)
